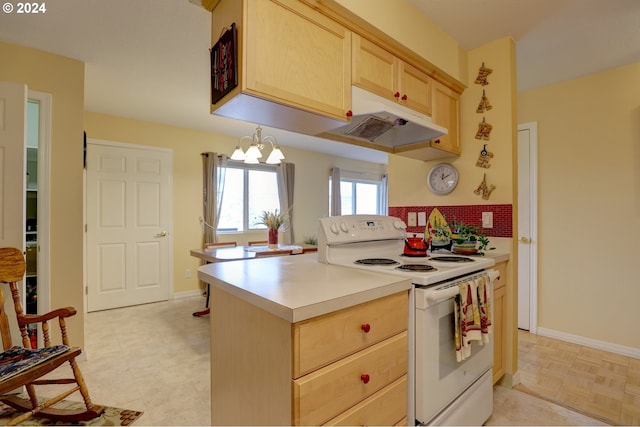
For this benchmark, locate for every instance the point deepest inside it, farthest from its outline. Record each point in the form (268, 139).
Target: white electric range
(441, 390)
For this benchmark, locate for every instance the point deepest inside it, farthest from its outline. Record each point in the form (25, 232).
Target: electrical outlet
(487, 219)
(422, 219)
(187, 273)
(411, 219)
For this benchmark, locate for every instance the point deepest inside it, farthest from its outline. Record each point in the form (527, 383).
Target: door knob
(524, 240)
(161, 234)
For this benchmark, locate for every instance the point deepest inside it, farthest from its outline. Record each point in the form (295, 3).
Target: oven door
(440, 379)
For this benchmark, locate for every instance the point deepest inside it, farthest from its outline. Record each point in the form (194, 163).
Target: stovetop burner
(376, 261)
(421, 268)
(452, 259)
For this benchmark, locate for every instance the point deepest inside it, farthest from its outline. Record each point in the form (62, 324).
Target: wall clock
(442, 178)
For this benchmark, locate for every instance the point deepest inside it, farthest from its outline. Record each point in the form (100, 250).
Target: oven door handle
(451, 291)
(443, 294)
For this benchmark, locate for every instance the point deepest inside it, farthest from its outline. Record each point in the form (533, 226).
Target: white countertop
(298, 287)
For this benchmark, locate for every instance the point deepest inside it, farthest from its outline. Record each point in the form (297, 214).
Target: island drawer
(387, 407)
(323, 394)
(322, 340)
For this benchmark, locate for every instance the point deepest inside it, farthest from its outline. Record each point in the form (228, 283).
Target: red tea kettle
(415, 246)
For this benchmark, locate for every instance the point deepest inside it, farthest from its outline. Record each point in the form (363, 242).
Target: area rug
(110, 417)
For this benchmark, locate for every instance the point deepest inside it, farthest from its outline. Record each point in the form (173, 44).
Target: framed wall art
(224, 64)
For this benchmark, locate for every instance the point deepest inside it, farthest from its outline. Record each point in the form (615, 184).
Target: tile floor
(155, 358)
(597, 383)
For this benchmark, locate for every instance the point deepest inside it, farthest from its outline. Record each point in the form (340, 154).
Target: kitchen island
(297, 342)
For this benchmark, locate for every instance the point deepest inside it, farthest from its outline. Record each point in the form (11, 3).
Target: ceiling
(148, 59)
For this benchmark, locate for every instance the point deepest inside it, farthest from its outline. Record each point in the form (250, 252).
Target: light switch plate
(422, 219)
(487, 219)
(411, 219)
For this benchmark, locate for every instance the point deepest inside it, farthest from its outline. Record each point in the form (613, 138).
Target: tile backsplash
(470, 214)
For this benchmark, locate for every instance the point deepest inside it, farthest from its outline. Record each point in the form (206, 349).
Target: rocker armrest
(27, 319)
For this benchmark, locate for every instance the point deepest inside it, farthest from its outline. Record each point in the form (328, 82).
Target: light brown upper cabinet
(446, 113)
(379, 71)
(291, 59)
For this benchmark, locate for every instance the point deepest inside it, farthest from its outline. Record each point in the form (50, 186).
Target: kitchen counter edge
(298, 287)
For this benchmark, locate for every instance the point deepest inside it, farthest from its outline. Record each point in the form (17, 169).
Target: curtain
(214, 170)
(286, 177)
(336, 206)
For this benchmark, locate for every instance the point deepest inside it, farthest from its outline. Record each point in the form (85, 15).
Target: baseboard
(590, 342)
(509, 380)
(187, 294)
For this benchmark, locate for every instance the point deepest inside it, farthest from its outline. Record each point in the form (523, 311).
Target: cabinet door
(298, 57)
(446, 110)
(499, 330)
(374, 69)
(498, 333)
(415, 89)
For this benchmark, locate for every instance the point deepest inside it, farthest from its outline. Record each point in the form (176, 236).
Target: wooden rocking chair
(24, 366)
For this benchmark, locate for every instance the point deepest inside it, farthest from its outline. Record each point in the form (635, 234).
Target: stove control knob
(399, 225)
(334, 228)
(344, 227)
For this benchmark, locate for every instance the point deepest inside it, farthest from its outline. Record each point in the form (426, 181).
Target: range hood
(381, 122)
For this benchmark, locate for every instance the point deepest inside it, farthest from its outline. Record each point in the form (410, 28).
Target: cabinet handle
(349, 113)
(437, 141)
(365, 378)
(404, 97)
(365, 327)
(396, 95)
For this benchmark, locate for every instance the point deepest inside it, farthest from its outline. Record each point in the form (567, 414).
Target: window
(362, 195)
(248, 190)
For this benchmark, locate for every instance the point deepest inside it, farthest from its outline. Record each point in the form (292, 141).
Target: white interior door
(13, 119)
(128, 197)
(527, 227)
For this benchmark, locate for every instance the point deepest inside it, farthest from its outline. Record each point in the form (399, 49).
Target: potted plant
(274, 220)
(440, 237)
(468, 239)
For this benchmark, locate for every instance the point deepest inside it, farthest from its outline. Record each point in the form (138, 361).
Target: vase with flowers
(274, 220)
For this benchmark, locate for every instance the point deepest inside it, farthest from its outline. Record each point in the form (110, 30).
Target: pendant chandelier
(256, 144)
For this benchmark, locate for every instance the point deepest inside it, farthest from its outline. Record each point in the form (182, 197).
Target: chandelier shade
(254, 152)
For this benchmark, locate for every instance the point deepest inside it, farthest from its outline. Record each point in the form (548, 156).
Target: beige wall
(311, 187)
(64, 79)
(589, 204)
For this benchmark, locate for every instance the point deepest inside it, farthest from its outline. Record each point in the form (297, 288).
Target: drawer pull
(365, 327)
(396, 95)
(365, 378)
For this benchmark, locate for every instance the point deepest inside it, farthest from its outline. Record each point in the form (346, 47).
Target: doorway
(129, 224)
(37, 202)
(528, 226)
(24, 147)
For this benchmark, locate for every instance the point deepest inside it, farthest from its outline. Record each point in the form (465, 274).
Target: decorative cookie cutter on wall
(483, 72)
(484, 189)
(484, 104)
(484, 158)
(484, 130)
